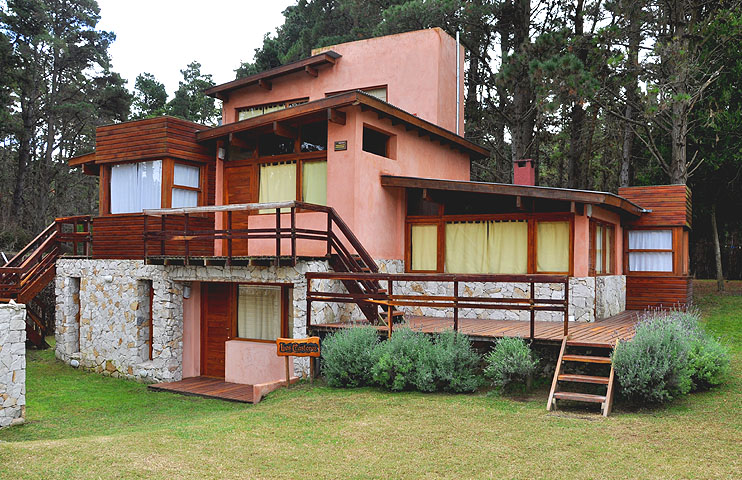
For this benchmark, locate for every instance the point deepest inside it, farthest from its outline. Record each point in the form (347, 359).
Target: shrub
(405, 361)
(510, 361)
(348, 355)
(653, 366)
(456, 362)
(709, 362)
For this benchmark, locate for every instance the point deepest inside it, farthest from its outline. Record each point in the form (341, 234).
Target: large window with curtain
(262, 312)
(136, 186)
(602, 247)
(505, 244)
(650, 251)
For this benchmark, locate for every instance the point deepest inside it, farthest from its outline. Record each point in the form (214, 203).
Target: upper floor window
(650, 251)
(378, 92)
(136, 186)
(186, 185)
(257, 110)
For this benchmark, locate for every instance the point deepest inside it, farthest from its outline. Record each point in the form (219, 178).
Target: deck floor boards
(208, 387)
(603, 332)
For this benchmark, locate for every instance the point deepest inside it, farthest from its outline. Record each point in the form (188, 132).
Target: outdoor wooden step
(579, 397)
(586, 359)
(583, 379)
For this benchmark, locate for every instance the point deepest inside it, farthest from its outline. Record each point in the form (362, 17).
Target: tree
(150, 97)
(190, 102)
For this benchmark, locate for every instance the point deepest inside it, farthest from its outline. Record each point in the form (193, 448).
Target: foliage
(150, 97)
(190, 102)
(509, 362)
(405, 361)
(456, 362)
(347, 356)
(709, 362)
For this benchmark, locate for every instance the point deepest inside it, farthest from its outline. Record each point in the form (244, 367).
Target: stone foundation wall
(610, 295)
(12, 364)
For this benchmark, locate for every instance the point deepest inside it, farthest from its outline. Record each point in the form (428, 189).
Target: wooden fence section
(657, 291)
(388, 300)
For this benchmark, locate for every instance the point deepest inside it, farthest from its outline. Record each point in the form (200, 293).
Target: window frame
(285, 287)
(592, 267)
(390, 147)
(531, 218)
(676, 236)
(199, 190)
(286, 104)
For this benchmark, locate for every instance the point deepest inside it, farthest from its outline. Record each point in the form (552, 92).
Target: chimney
(524, 172)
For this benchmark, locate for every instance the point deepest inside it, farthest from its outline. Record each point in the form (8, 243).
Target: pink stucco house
(336, 190)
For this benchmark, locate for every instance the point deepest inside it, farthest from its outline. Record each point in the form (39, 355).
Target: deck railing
(456, 301)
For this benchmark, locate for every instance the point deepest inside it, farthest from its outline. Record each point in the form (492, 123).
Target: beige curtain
(552, 247)
(424, 247)
(277, 183)
(487, 247)
(314, 182)
(259, 312)
(598, 249)
(608, 246)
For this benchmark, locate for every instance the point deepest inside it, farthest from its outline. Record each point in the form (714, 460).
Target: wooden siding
(149, 139)
(670, 204)
(122, 236)
(643, 292)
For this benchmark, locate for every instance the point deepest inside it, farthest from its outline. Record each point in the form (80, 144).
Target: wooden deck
(602, 333)
(208, 387)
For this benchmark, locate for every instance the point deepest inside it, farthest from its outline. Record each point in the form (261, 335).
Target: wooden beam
(311, 71)
(236, 141)
(335, 116)
(282, 130)
(265, 84)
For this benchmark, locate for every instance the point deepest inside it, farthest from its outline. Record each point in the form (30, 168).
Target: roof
(308, 65)
(609, 200)
(327, 107)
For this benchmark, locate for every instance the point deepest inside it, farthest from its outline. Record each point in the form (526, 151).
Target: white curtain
(184, 198)
(136, 186)
(259, 312)
(650, 240)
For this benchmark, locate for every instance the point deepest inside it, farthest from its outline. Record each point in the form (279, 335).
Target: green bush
(509, 362)
(709, 362)
(456, 362)
(405, 361)
(348, 355)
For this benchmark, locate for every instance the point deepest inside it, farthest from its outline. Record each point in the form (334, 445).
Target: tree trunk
(524, 114)
(632, 98)
(717, 249)
(576, 152)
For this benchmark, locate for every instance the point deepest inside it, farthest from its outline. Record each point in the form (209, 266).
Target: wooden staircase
(24, 277)
(561, 377)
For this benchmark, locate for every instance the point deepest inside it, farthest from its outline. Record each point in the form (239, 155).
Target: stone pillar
(12, 364)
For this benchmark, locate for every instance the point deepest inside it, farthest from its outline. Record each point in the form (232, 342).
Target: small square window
(376, 142)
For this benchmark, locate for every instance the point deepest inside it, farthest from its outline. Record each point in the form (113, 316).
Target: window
(250, 112)
(424, 245)
(378, 92)
(277, 183)
(271, 144)
(552, 247)
(487, 247)
(262, 312)
(601, 248)
(314, 137)
(376, 142)
(186, 185)
(136, 186)
(314, 182)
(650, 251)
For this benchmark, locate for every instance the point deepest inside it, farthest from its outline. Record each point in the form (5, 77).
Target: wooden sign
(341, 145)
(300, 347)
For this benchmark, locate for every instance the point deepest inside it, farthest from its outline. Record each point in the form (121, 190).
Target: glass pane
(598, 249)
(424, 247)
(650, 261)
(150, 184)
(379, 93)
(552, 252)
(487, 247)
(186, 175)
(609, 250)
(259, 312)
(136, 186)
(314, 137)
(650, 240)
(277, 183)
(184, 198)
(314, 182)
(249, 113)
(271, 144)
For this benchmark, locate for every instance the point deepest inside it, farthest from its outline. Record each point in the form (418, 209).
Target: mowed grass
(82, 425)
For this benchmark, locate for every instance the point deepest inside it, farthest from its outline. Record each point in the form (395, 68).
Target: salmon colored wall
(192, 332)
(254, 363)
(418, 68)
(582, 240)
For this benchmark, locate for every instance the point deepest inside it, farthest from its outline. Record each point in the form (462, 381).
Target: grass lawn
(82, 425)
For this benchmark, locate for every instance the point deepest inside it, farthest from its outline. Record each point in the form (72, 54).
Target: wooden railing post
(309, 303)
(293, 236)
(162, 235)
(329, 233)
(145, 235)
(229, 238)
(455, 305)
(533, 309)
(187, 240)
(390, 310)
(566, 307)
(278, 237)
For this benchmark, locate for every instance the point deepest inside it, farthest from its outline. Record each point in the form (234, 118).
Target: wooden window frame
(285, 287)
(201, 184)
(531, 218)
(592, 271)
(676, 247)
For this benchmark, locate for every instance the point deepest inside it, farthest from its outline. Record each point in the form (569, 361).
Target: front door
(216, 326)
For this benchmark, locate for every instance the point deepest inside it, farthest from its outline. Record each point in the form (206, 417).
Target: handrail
(454, 301)
(31, 246)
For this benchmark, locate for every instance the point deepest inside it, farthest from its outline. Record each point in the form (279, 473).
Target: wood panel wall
(148, 139)
(670, 204)
(122, 236)
(644, 292)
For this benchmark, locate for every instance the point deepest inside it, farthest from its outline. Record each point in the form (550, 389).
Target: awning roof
(606, 199)
(327, 108)
(263, 78)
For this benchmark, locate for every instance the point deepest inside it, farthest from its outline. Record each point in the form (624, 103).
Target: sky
(161, 37)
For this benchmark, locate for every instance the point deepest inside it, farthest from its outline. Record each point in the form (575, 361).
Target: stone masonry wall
(12, 364)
